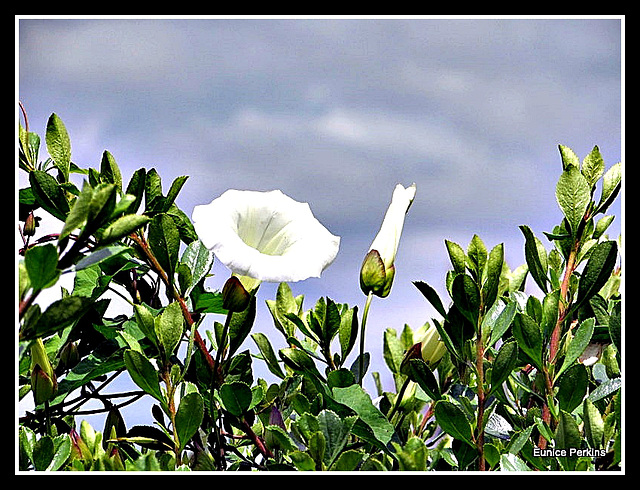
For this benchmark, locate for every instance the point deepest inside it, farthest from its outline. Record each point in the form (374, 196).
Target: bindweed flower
(265, 236)
(433, 347)
(378, 269)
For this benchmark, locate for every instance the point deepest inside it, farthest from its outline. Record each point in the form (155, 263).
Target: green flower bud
(69, 356)
(44, 383)
(234, 296)
(43, 386)
(373, 276)
(30, 225)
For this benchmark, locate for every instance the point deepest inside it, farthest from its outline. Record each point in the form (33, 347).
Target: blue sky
(335, 111)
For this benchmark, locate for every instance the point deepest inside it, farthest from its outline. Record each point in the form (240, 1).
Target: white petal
(387, 240)
(265, 235)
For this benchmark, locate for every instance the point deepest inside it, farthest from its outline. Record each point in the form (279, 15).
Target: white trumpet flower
(265, 236)
(378, 267)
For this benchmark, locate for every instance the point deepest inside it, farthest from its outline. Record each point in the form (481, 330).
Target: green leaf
(268, 354)
(573, 194)
(511, 462)
(569, 158)
(432, 296)
(43, 452)
(109, 171)
(136, 188)
(572, 387)
(359, 401)
(536, 257)
(58, 145)
(466, 296)
(152, 188)
(413, 455)
(348, 332)
(236, 397)
(336, 432)
(299, 361)
(79, 213)
(457, 256)
(505, 362)
(578, 344)
(164, 241)
(189, 417)
(593, 166)
(199, 259)
(240, 326)
(597, 271)
(495, 263)
(527, 333)
(174, 190)
(169, 327)
(611, 184)
(42, 266)
(502, 322)
(477, 257)
(123, 226)
(567, 436)
(58, 315)
(424, 377)
(348, 461)
(49, 194)
(143, 373)
(103, 202)
(145, 321)
(453, 421)
(593, 424)
(101, 255)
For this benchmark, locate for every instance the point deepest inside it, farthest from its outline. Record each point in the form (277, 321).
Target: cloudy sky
(335, 112)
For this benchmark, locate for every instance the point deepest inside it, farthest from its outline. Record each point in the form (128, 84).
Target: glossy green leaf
(504, 363)
(431, 295)
(123, 226)
(360, 402)
(49, 194)
(42, 266)
(268, 354)
(164, 241)
(424, 377)
(199, 259)
(536, 257)
(457, 256)
(466, 296)
(240, 326)
(58, 144)
(527, 333)
(109, 170)
(348, 332)
(593, 166)
(597, 271)
(573, 194)
(79, 212)
(453, 421)
(495, 263)
(611, 185)
(572, 387)
(143, 373)
(578, 344)
(593, 424)
(58, 315)
(169, 327)
(189, 416)
(236, 397)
